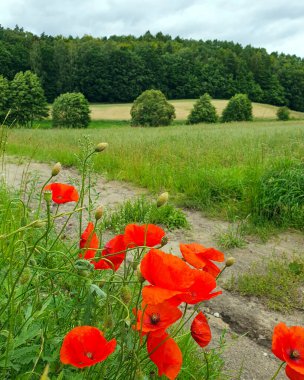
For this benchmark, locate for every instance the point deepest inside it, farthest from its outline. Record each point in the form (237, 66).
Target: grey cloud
(270, 24)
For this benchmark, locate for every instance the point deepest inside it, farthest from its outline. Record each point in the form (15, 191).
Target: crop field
(220, 169)
(182, 109)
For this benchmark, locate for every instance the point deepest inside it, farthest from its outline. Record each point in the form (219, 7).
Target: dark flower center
(89, 355)
(294, 354)
(155, 318)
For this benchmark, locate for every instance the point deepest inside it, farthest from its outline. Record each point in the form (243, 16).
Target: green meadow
(225, 170)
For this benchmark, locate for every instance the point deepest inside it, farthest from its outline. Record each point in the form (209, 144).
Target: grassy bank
(216, 168)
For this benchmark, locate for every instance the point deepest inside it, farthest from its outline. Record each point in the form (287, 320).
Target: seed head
(47, 195)
(162, 199)
(56, 169)
(139, 275)
(98, 212)
(230, 261)
(101, 146)
(125, 294)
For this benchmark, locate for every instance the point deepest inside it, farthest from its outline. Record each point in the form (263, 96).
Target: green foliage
(233, 237)
(217, 170)
(277, 282)
(151, 109)
(279, 196)
(28, 102)
(4, 98)
(143, 211)
(71, 110)
(203, 111)
(239, 108)
(283, 113)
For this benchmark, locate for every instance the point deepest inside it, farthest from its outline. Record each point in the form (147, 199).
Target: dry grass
(182, 108)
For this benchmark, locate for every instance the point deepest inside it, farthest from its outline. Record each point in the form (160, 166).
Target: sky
(277, 25)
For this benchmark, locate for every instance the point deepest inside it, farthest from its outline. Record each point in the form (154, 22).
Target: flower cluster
(174, 283)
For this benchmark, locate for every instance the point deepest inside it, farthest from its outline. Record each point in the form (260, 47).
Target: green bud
(56, 169)
(101, 147)
(162, 199)
(47, 195)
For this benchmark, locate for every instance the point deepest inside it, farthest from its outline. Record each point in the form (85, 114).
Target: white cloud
(274, 24)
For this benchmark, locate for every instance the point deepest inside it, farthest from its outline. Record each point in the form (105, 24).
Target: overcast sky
(277, 25)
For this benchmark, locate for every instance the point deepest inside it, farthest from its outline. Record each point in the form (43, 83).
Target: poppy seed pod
(162, 199)
(139, 275)
(98, 212)
(230, 261)
(47, 195)
(101, 147)
(39, 224)
(56, 169)
(125, 294)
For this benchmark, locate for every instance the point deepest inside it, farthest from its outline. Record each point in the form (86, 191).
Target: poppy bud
(25, 276)
(47, 195)
(139, 275)
(108, 322)
(44, 376)
(162, 199)
(38, 224)
(56, 169)
(98, 212)
(139, 375)
(230, 261)
(164, 241)
(101, 146)
(135, 264)
(125, 294)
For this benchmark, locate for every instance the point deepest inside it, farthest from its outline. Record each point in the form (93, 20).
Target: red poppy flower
(147, 234)
(174, 280)
(288, 345)
(114, 252)
(89, 240)
(200, 257)
(200, 330)
(62, 193)
(156, 318)
(292, 374)
(85, 346)
(167, 356)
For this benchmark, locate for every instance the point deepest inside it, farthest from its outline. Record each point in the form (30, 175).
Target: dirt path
(247, 323)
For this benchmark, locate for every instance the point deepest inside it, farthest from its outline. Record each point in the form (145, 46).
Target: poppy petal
(166, 354)
(154, 295)
(166, 270)
(292, 374)
(200, 330)
(88, 240)
(148, 235)
(62, 193)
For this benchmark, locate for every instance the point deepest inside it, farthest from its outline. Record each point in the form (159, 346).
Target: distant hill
(119, 68)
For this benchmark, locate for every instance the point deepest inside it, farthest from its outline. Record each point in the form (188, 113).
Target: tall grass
(215, 168)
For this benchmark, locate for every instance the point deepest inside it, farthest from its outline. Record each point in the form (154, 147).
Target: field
(215, 168)
(182, 109)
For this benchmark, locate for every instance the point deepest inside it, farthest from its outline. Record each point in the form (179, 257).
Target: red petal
(167, 356)
(200, 330)
(292, 374)
(166, 270)
(89, 239)
(278, 339)
(153, 295)
(62, 193)
(147, 234)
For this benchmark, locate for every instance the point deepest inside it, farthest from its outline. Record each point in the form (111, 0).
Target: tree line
(120, 68)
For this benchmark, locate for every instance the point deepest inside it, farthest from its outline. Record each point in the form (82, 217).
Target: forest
(119, 68)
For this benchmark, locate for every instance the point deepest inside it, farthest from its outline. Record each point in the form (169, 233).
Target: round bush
(151, 109)
(283, 113)
(239, 108)
(71, 110)
(203, 111)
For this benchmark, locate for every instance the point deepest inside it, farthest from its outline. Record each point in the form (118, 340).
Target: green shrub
(283, 113)
(28, 102)
(71, 110)
(203, 111)
(4, 98)
(280, 196)
(239, 108)
(143, 211)
(151, 109)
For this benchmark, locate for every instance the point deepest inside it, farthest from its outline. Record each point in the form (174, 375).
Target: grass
(182, 108)
(216, 168)
(233, 237)
(278, 282)
(140, 211)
